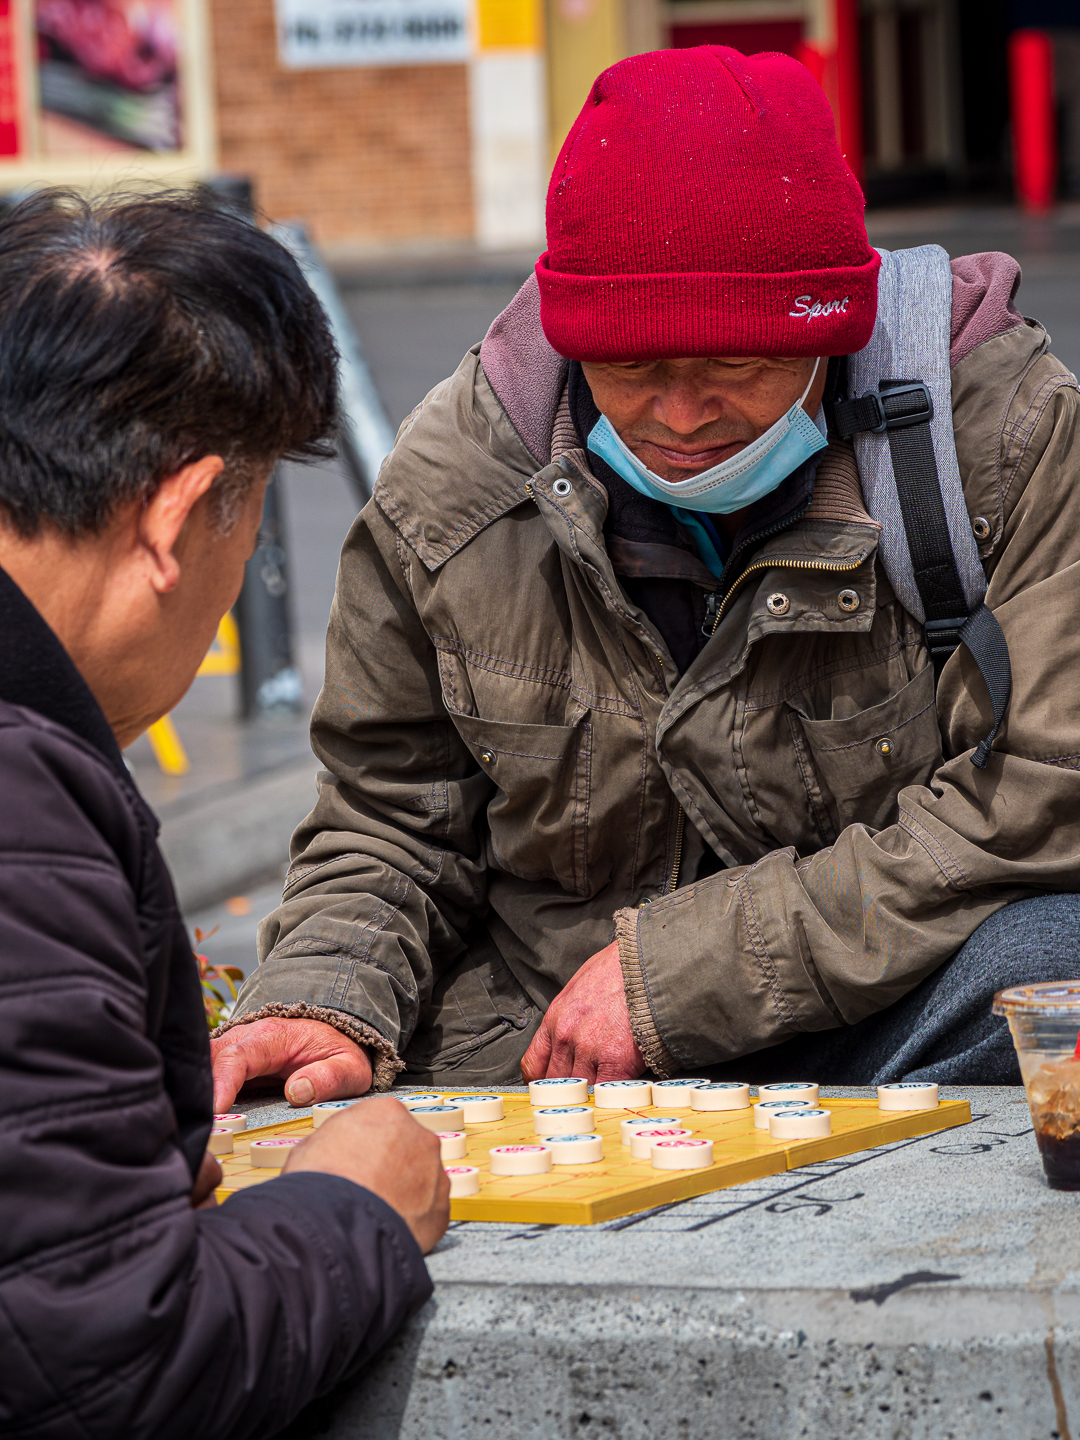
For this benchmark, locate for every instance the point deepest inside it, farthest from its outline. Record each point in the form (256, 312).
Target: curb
(423, 271)
(239, 836)
(629, 1362)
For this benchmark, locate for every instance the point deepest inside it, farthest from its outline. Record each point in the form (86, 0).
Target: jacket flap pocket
(538, 817)
(865, 760)
(526, 742)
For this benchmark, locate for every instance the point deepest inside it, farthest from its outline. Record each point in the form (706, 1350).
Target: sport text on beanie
(701, 206)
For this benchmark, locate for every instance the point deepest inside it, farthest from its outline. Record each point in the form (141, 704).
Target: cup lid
(1052, 997)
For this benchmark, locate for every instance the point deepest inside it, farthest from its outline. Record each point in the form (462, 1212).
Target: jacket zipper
(779, 565)
(680, 825)
(714, 601)
(720, 608)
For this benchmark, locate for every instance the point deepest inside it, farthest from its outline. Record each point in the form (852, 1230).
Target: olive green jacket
(516, 773)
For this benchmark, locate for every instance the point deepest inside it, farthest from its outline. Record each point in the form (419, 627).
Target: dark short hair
(138, 334)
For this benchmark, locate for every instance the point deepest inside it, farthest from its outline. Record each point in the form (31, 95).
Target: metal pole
(231, 192)
(269, 681)
(268, 678)
(367, 436)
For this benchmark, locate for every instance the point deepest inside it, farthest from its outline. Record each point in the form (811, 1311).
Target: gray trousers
(943, 1030)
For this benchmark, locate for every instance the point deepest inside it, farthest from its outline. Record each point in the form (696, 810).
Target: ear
(162, 518)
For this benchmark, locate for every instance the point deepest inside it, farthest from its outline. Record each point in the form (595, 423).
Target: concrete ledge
(548, 1363)
(924, 1290)
(237, 836)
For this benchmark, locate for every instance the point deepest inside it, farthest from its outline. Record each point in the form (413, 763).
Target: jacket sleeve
(122, 1311)
(388, 871)
(757, 954)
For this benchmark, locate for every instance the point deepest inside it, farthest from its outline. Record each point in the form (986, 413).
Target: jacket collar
(457, 467)
(37, 673)
(460, 463)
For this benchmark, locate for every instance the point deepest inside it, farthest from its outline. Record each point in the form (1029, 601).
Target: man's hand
(319, 1062)
(380, 1146)
(586, 1030)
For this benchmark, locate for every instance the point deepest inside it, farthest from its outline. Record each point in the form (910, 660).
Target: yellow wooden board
(618, 1185)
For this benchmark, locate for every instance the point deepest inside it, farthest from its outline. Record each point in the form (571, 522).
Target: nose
(684, 407)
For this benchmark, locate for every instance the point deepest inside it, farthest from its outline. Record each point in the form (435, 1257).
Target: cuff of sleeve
(386, 1064)
(657, 1056)
(314, 1201)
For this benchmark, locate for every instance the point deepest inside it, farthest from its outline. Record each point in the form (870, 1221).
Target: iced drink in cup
(1045, 1024)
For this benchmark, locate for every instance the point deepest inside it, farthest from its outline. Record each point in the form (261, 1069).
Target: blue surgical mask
(755, 471)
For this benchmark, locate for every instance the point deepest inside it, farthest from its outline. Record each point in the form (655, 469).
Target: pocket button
(778, 603)
(884, 746)
(848, 600)
(488, 757)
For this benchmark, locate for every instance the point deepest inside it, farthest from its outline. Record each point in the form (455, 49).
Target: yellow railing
(223, 658)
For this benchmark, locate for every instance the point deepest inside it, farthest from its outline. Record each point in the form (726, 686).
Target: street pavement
(1048, 251)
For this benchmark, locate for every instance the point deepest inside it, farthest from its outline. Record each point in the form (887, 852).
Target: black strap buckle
(894, 406)
(943, 636)
(904, 405)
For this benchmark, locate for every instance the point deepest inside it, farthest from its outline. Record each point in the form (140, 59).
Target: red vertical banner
(849, 85)
(832, 57)
(10, 127)
(1033, 113)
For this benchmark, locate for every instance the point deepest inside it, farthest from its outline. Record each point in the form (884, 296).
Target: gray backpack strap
(911, 339)
(910, 477)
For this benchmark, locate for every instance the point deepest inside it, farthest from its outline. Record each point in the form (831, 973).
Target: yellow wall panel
(584, 37)
(509, 24)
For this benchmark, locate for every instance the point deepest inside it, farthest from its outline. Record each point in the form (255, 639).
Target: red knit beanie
(701, 206)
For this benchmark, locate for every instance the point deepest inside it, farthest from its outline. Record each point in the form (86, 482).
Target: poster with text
(314, 33)
(108, 76)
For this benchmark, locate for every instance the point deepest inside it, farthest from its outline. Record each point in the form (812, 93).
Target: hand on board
(586, 1030)
(316, 1061)
(380, 1146)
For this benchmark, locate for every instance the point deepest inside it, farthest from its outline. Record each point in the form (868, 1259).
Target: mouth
(696, 459)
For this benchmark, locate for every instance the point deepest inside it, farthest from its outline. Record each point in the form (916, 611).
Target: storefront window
(108, 76)
(92, 90)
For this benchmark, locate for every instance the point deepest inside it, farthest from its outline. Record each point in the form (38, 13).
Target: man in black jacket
(156, 358)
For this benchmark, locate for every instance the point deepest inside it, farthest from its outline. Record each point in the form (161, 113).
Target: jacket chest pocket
(865, 760)
(538, 818)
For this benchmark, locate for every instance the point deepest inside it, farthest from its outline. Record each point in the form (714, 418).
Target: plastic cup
(1045, 1023)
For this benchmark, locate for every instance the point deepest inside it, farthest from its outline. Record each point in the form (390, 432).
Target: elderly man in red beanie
(693, 689)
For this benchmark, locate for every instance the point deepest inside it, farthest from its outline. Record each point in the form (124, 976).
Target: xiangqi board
(617, 1184)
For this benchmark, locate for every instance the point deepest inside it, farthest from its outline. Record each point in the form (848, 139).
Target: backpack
(903, 438)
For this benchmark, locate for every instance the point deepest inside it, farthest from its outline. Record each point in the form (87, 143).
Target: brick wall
(366, 155)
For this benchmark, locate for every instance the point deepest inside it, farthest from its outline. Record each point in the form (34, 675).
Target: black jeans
(944, 1029)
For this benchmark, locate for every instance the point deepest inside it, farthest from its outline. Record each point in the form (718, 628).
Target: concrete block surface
(925, 1289)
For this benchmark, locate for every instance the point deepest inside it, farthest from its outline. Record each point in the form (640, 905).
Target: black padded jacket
(123, 1312)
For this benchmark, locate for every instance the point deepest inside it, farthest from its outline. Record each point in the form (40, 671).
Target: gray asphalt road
(414, 336)
(1048, 252)
(415, 333)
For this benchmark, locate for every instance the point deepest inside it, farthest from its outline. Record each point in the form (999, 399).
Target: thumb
(230, 1072)
(339, 1077)
(535, 1060)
